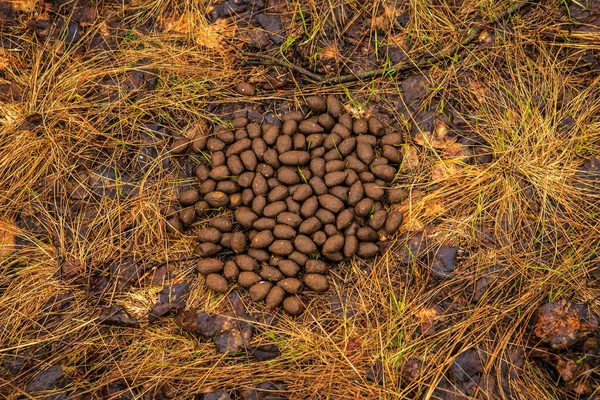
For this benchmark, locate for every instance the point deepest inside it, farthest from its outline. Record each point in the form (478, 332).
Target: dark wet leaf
(58, 302)
(414, 249)
(51, 378)
(444, 261)
(411, 371)
(270, 390)
(234, 340)
(159, 310)
(414, 88)
(127, 273)
(561, 324)
(231, 8)
(513, 363)
(208, 325)
(467, 365)
(266, 352)
(375, 373)
(10, 91)
(116, 316)
(342, 306)
(175, 295)
(218, 395)
(272, 24)
(187, 321)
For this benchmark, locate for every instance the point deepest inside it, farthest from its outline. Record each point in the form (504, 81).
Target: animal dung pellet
(284, 203)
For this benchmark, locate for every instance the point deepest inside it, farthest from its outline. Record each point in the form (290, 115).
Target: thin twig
(426, 59)
(285, 64)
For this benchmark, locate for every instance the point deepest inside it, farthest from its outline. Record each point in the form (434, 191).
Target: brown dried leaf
(410, 158)
(7, 238)
(429, 316)
(445, 169)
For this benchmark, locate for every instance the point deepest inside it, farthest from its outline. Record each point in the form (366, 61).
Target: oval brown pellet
(281, 247)
(245, 217)
(308, 127)
(311, 225)
(289, 268)
(238, 242)
(393, 222)
(271, 274)
(274, 209)
(367, 250)
(289, 127)
(224, 135)
(316, 282)
(187, 216)
(364, 207)
(275, 297)
(325, 216)
(333, 244)
(293, 115)
(316, 104)
(290, 219)
(260, 290)
(305, 245)
(209, 235)
(350, 246)
(318, 185)
(344, 219)
(373, 191)
(217, 199)
(316, 267)
(334, 107)
(207, 186)
(319, 237)
(290, 285)
(245, 89)
(365, 153)
(326, 121)
(188, 197)
(231, 271)
(360, 127)
(209, 266)
(264, 224)
(331, 203)
(284, 232)
(294, 158)
(258, 205)
(246, 279)
(302, 192)
(202, 172)
(293, 305)
(375, 126)
(227, 187)
(207, 249)
(217, 283)
(262, 239)
(288, 176)
(367, 234)
(180, 146)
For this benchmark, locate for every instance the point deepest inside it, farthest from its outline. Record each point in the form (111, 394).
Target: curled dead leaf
(7, 238)
(410, 158)
(445, 169)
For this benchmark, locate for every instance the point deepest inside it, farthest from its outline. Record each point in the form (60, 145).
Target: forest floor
(490, 290)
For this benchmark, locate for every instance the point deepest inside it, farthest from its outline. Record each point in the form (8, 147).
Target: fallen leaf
(410, 158)
(445, 169)
(429, 317)
(561, 324)
(115, 315)
(7, 238)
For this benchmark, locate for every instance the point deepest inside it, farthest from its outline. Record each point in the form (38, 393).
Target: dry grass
(514, 94)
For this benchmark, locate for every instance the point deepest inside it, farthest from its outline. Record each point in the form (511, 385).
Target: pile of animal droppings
(304, 195)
